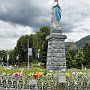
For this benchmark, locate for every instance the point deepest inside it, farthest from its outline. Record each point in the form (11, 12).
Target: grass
(77, 70)
(26, 71)
(33, 70)
(1, 70)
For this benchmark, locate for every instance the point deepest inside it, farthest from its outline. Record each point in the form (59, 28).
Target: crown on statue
(56, 0)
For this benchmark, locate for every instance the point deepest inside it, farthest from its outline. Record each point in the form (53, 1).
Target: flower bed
(44, 80)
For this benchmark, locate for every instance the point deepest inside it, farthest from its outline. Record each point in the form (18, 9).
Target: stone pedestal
(56, 59)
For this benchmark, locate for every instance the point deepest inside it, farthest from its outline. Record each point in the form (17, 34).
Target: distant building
(70, 45)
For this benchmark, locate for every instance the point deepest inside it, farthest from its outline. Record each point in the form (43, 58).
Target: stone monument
(56, 59)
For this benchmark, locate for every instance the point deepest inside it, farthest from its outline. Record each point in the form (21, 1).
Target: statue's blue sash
(57, 13)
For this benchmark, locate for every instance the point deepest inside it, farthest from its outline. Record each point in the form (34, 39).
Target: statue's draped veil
(54, 22)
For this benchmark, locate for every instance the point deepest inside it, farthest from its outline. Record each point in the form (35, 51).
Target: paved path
(2, 88)
(14, 89)
(11, 89)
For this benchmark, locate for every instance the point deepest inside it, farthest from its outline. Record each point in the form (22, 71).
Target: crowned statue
(56, 15)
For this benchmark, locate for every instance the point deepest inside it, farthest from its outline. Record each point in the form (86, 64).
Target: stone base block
(56, 59)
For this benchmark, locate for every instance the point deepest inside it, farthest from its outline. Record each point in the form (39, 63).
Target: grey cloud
(9, 30)
(9, 34)
(36, 13)
(67, 27)
(7, 43)
(74, 12)
(17, 15)
(24, 12)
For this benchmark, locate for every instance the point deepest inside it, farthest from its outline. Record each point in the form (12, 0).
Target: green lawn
(33, 70)
(26, 71)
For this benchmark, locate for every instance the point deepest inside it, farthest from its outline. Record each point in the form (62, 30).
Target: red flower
(37, 75)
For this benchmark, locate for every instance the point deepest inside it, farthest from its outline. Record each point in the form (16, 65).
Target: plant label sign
(61, 78)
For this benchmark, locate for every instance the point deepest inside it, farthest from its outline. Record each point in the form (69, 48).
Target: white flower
(80, 73)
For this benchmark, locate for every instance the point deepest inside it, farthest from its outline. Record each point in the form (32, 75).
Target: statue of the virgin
(55, 15)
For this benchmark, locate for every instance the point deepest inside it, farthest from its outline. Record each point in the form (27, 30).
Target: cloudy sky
(21, 17)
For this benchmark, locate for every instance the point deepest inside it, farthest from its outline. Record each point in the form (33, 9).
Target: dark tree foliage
(22, 47)
(36, 41)
(75, 58)
(41, 43)
(86, 51)
(3, 54)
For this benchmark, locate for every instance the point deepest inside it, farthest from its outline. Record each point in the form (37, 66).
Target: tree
(68, 59)
(79, 58)
(12, 59)
(21, 47)
(3, 55)
(36, 41)
(86, 51)
(74, 58)
(43, 44)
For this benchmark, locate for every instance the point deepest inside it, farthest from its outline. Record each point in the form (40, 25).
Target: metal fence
(82, 82)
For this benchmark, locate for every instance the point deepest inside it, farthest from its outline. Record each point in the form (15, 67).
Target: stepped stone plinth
(56, 59)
